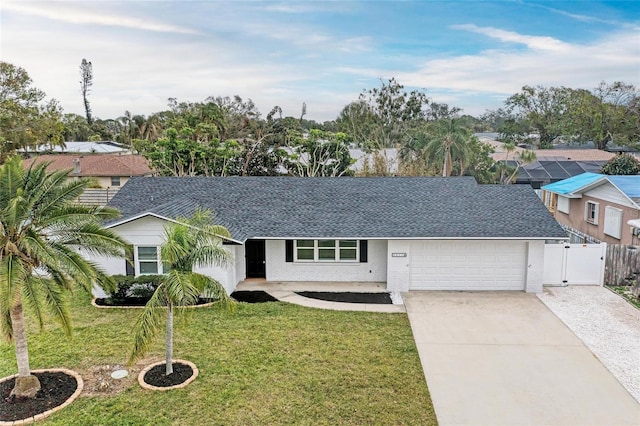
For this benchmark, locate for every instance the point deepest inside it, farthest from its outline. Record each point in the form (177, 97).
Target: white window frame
(138, 261)
(117, 183)
(337, 251)
(563, 204)
(587, 212)
(613, 222)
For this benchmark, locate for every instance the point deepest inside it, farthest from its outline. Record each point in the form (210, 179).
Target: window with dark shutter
(288, 244)
(364, 248)
(130, 270)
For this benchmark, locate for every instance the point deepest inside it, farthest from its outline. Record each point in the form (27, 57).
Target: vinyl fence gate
(574, 264)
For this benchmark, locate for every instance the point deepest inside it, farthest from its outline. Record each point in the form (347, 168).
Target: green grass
(625, 291)
(270, 364)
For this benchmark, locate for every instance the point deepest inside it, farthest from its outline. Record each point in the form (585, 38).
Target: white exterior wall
(398, 271)
(535, 266)
(240, 264)
(608, 192)
(374, 270)
(110, 265)
(149, 231)
(225, 275)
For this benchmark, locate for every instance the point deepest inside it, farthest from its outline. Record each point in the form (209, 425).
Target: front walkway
(286, 292)
(503, 358)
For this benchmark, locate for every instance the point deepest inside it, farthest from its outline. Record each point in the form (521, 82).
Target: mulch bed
(56, 388)
(135, 301)
(157, 377)
(348, 297)
(253, 296)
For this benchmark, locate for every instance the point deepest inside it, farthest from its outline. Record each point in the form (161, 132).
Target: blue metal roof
(630, 185)
(572, 184)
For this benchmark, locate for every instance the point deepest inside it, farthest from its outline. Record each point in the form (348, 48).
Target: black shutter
(364, 246)
(129, 262)
(288, 244)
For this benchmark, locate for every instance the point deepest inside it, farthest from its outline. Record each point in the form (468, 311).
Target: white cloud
(586, 18)
(503, 71)
(532, 42)
(75, 14)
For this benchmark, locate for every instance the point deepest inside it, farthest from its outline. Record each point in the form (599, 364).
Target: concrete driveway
(503, 358)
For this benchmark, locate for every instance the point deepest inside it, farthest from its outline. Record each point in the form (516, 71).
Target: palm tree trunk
(169, 341)
(26, 385)
(446, 167)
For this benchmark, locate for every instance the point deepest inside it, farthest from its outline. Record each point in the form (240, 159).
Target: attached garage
(467, 265)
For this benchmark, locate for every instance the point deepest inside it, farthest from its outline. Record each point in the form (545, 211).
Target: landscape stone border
(146, 385)
(47, 413)
(93, 302)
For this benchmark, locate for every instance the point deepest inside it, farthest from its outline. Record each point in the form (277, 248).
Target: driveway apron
(503, 358)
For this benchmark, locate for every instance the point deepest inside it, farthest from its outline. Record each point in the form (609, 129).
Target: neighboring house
(594, 207)
(547, 171)
(410, 233)
(110, 171)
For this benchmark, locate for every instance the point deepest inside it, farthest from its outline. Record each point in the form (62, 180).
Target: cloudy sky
(468, 54)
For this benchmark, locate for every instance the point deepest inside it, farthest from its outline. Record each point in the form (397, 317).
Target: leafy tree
(608, 114)
(75, 128)
(189, 243)
(49, 125)
(321, 154)
(382, 116)
(479, 162)
(622, 164)
(495, 119)
(516, 132)
(86, 81)
(40, 225)
(24, 120)
(180, 155)
(543, 109)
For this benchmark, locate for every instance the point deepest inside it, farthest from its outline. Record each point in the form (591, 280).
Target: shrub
(128, 287)
(622, 164)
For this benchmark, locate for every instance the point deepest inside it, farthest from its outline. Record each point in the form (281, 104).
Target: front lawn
(271, 363)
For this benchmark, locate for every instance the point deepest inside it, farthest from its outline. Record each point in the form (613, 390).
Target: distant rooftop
(95, 165)
(102, 147)
(547, 171)
(563, 155)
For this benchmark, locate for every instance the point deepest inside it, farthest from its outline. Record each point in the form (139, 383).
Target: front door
(255, 260)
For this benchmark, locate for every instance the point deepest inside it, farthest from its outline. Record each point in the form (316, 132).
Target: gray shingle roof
(380, 207)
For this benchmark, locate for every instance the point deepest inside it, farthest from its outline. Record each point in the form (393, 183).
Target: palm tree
(507, 174)
(448, 141)
(40, 227)
(187, 243)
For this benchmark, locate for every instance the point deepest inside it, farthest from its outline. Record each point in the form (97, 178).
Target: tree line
(223, 135)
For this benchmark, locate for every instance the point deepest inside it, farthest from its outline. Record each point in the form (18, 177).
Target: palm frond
(212, 289)
(11, 276)
(54, 296)
(33, 299)
(147, 326)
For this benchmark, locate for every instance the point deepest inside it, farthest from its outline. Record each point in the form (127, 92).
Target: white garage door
(467, 265)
